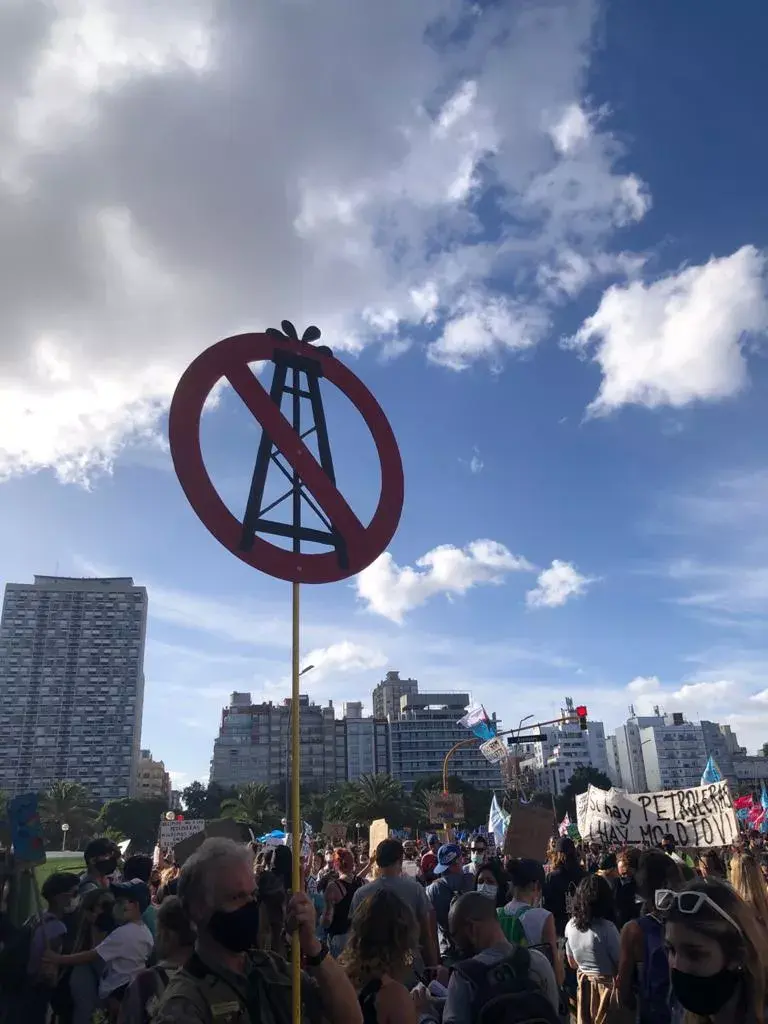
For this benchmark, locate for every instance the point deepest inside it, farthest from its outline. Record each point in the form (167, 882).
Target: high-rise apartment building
(424, 730)
(567, 747)
(152, 780)
(387, 694)
(254, 745)
(72, 684)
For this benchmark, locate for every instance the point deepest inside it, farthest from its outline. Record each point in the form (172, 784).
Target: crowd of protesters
(416, 933)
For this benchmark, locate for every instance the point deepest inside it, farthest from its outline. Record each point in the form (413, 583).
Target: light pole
(64, 830)
(358, 826)
(307, 668)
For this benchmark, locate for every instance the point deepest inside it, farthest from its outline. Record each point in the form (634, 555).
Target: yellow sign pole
(296, 833)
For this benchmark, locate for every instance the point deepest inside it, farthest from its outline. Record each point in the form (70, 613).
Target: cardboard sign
(172, 832)
(529, 831)
(494, 750)
(378, 831)
(444, 808)
(582, 800)
(336, 832)
(701, 816)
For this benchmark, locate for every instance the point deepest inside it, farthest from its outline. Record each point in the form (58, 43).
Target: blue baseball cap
(136, 891)
(432, 838)
(447, 855)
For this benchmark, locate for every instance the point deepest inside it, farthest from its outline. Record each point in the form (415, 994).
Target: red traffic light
(581, 711)
(179, 817)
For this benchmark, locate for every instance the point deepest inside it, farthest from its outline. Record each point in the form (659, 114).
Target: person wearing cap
(124, 952)
(427, 866)
(101, 859)
(433, 844)
(478, 851)
(60, 893)
(450, 880)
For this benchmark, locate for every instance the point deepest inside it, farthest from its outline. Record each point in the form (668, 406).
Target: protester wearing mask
(625, 891)
(717, 952)
(478, 854)
(101, 859)
(491, 881)
(216, 888)
(524, 920)
(60, 893)
(449, 882)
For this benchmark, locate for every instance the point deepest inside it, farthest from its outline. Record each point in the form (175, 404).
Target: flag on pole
(475, 713)
(711, 773)
(497, 822)
(562, 828)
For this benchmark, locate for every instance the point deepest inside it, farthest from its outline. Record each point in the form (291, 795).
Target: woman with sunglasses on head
(643, 976)
(746, 877)
(717, 952)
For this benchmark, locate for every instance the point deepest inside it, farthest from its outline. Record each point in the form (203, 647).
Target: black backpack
(505, 992)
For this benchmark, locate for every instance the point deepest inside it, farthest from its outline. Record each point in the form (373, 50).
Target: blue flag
(711, 773)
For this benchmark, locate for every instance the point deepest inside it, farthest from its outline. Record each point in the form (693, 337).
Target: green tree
(138, 820)
(205, 801)
(253, 805)
(66, 803)
(583, 777)
(371, 797)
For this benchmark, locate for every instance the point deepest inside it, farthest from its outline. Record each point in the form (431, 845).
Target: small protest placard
(445, 808)
(172, 832)
(494, 750)
(379, 830)
(336, 831)
(700, 816)
(528, 832)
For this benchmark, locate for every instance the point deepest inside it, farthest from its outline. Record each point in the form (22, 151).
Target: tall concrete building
(72, 684)
(387, 694)
(367, 742)
(152, 780)
(424, 730)
(566, 748)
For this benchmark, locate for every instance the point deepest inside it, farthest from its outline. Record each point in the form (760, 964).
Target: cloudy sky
(536, 231)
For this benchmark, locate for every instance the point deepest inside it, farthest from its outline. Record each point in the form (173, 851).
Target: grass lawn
(75, 864)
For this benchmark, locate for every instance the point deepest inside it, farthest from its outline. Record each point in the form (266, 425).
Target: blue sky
(541, 245)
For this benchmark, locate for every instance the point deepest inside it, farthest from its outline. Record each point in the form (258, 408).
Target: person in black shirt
(561, 883)
(625, 892)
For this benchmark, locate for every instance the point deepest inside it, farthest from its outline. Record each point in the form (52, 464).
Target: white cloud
(704, 692)
(556, 585)
(679, 339)
(761, 697)
(145, 221)
(344, 656)
(644, 685)
(476, 464)
(391, 591)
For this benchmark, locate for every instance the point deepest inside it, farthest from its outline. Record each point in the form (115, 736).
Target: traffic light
(179, 817)
(581, 711)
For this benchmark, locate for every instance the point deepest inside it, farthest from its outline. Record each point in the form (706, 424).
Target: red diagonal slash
(296, 453)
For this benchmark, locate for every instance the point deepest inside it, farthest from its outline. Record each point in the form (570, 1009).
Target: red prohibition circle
(229, 359)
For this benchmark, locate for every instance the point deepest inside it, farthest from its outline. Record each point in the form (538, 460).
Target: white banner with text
(700, 816)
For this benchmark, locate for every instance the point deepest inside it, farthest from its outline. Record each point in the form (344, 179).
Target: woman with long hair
(643, 971)
(747, 879)
(560, 887)
(379, 955)
(717, 952)
(338, 900)
(492, 882)
(710, 864)
(592, 949)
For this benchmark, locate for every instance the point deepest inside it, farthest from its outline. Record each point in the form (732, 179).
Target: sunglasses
(691, 903)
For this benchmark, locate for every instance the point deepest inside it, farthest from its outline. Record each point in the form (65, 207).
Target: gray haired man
(227, 981)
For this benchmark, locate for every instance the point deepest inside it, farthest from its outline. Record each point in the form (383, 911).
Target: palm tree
(254, 805)
(66, 803)
(371, 797)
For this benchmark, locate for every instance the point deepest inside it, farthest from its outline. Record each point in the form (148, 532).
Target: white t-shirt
(410, 868)
(125, 953)
(532, 920)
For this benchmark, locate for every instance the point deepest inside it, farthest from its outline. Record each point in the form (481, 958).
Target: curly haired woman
(379, 954)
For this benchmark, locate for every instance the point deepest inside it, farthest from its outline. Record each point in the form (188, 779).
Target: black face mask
(106, 867)
(236, 930)
(704, 995)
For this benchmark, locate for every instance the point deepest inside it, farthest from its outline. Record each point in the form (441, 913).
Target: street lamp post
(64, 830)
(357, 832)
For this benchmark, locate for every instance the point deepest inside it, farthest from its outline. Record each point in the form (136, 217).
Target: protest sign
(493, 750)
(700, 816)
(528, 832)
(582, 800)
(378, 831)
(336, 831)
(172, 832)
(26, 830)
(444, 808)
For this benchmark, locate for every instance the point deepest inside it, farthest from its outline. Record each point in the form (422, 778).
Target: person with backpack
(450, 882)
(228, 981)
(643, 975)
(523, 920)
(338, 900)
(497, 983)
(562, 881)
